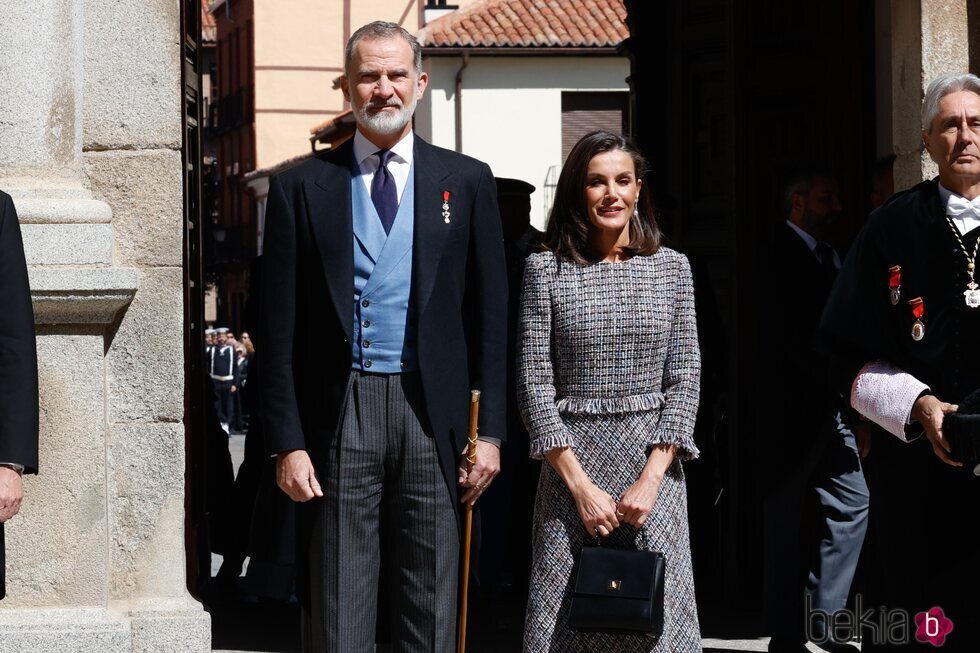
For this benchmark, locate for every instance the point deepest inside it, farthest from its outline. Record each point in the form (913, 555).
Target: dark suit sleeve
(18, 354)
(487, 290)
(855, 327)
(277, 318)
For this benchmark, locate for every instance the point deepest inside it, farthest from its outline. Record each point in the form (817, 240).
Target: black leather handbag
(618, 591)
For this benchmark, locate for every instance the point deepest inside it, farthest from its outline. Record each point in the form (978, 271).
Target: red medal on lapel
(895, 284)
(918, 312)
(445, 206)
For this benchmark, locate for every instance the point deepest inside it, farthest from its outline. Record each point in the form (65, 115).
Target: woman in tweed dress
(608, 381)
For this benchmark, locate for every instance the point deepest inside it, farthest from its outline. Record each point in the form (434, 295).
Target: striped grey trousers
(386, 523)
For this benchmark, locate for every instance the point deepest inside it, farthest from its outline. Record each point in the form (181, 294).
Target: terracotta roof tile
(209, 26)
(316, 129)
(529, 23)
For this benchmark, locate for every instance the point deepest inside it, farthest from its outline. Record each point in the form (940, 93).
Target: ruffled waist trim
(610, 405)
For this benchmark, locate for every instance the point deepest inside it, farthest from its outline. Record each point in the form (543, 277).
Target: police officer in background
(222, 371)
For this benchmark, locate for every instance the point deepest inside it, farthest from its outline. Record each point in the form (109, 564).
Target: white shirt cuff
(885, 394)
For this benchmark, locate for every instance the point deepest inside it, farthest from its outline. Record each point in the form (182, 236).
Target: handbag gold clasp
(615, 585)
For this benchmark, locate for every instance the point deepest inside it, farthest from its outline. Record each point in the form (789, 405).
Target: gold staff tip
(474, 396)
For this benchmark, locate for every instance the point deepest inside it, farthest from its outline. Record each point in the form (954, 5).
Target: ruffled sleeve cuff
(885, 394)
(686, 449)
(541, 446)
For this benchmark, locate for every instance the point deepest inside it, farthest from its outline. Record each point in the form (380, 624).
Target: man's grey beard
(385, 122)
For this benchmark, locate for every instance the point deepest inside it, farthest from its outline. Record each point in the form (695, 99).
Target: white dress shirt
(365, 153)
(965, 222)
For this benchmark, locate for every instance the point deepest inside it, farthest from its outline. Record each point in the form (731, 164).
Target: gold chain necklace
(972, 292)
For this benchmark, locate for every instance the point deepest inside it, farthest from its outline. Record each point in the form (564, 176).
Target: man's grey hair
(940, 88)
(381, 30)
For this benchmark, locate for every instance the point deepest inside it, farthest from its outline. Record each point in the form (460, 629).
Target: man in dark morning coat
(810, 451)
(18, 372)
(384, 303)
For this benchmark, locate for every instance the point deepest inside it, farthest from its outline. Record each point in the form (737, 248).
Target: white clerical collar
(810, 241)
(403, 149)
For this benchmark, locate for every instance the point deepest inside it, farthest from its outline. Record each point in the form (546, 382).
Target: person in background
(221, 367)
(241, 377)
(504, 560)
(810, 449)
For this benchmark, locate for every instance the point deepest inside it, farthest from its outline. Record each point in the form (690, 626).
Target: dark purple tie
(826, 255)
(383, 191)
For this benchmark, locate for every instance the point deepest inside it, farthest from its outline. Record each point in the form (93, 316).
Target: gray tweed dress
(609, 365)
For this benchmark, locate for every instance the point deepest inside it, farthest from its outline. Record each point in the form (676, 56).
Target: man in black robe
(903, 323)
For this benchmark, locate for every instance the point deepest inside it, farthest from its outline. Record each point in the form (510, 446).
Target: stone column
(41, 133)
(928, 38)
(95, 561)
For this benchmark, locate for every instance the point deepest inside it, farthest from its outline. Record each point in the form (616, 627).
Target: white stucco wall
(511, 110)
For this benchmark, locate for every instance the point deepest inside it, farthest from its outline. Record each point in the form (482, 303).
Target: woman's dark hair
(567, 233)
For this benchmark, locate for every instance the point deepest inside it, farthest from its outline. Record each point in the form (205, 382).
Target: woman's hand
(596, 509)
(637, 502)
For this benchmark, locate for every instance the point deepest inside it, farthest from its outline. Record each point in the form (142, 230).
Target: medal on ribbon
(895, 284)
(918, 306)
(445, 206)
(972, 293)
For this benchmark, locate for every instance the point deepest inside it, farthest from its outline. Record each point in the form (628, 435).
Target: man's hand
(11, 493)
(296, 476)
(486, 467)
(930, 412)
(234, 389)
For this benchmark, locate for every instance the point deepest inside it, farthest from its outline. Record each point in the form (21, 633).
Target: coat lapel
(329, 208)
(398, 244)
(431, 180)
(367, 225)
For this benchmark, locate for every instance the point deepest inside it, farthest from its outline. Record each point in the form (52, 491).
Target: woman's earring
(636, 210)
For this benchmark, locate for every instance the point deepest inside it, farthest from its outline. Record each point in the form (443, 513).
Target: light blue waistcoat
(384, 328)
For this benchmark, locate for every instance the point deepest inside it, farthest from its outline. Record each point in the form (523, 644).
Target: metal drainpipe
(459, 102)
